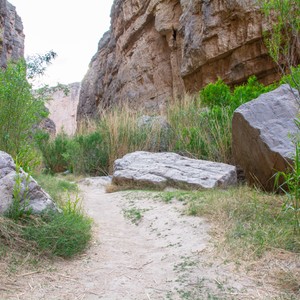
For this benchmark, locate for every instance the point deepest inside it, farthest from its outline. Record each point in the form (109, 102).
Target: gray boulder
(161, 170)
(160, 132)
(262, 132)
(31, 194)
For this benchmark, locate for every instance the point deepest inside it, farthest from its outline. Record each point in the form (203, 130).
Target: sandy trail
(166, 256)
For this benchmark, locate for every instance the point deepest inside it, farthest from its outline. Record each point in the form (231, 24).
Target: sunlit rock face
(157, 50)
(11, 34)
(62, 108)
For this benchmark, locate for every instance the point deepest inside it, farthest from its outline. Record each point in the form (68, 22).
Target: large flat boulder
(31, 194)
(161, 170)
(262, 132)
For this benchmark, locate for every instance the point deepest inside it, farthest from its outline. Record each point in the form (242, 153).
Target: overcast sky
(71, 28)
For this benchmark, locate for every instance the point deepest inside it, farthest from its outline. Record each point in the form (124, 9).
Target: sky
(72, 29)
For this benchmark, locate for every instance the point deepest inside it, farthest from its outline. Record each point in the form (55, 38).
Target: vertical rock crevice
(11, 34)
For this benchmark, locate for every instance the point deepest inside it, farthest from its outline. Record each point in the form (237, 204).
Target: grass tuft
(251, 221)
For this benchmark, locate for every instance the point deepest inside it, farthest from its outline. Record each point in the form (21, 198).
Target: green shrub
(205, 132)
(217, 93)
(53, 151)
(249, 91)
(293, 79)
(63, 234)
(19, 207)
(291, 184)
(19, 111)
(87, 154)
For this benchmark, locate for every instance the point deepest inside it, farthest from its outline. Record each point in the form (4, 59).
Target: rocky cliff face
(11, 33)
(63, 107)
(157, 50)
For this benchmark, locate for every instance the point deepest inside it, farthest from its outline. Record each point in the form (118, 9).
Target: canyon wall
(11, 34)
(157, 50)
(63, 107)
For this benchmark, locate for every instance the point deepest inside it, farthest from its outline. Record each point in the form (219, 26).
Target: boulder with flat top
(161, 170)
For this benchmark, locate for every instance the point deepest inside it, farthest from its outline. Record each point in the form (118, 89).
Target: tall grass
(200, 127)
(62, 234)
(200, 132)
(250, 221)
(97, 145)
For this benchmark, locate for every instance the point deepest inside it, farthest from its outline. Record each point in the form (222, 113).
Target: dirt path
(166, 256)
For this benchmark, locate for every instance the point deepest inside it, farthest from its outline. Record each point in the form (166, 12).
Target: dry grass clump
(11, 235)
(251, 229)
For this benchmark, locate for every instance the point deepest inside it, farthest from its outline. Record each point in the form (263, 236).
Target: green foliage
(205, 132)
(283, 39)
(37, 64)
(293, 79)
(249, 91)
(133, 214)
(62, 234)
(217, 93)
(53, 151)
(19, 207)
(19, 110)
(291, 185)
(56, 187)
(88, 154)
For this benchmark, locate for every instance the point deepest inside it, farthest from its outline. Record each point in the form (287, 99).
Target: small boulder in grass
(31, 194)
(161, 170)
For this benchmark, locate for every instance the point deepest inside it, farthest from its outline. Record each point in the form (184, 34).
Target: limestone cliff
(11, 33)
(156, 50)
(63, 107)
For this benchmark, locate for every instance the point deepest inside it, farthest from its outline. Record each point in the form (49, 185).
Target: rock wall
(63, 107)
(11, 33)
(157, 50)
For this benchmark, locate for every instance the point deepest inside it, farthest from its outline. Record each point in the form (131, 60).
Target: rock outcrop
(63, 108)
(262, 133)
(32, 197)
(162, 170)
(157, 50)
(11, 34)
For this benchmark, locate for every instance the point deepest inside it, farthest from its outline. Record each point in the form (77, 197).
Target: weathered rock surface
(63, 109)
(36, 199)
(161, 170)
(262, 132)
(11, 34)
(157, 50)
